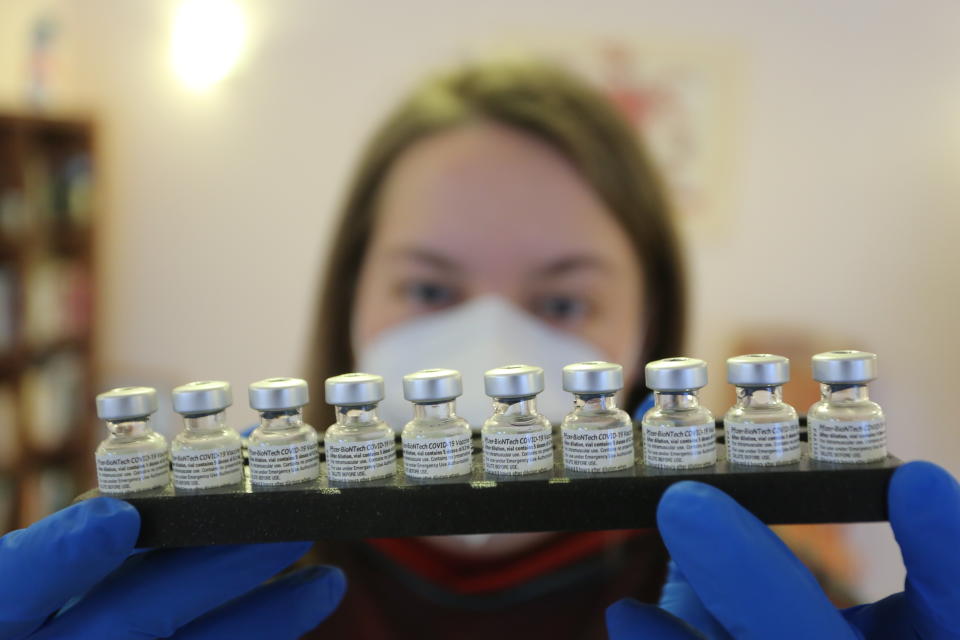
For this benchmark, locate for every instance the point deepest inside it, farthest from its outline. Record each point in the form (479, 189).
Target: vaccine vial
(761, 429)
(360, 446)
(596, 435)
(517, 439)
(133, 457)
(206, 454)
(845, 426)
(282, 449)
(436, 443)
(678, 433)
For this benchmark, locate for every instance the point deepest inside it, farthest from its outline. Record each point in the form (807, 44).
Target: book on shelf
(8, 318)
(8, 519)
(53, 396)
(9, 434)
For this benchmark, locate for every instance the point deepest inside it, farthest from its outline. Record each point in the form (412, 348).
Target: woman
(500, 207)
(503, 213)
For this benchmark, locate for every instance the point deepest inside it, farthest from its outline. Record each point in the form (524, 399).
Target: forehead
(485, 189)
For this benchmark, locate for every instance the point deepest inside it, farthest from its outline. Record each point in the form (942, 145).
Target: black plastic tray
(802, 493)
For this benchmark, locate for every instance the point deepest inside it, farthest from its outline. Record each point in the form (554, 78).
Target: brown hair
(553, 106)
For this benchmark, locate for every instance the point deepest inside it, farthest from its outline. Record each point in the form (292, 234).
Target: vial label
(518, 454)
(437, 457)
(763, 443)
(207, 469)
(836, 441)
(130, 472)
(680, 447)
(606, 450)
(366, 460)
(278, 464)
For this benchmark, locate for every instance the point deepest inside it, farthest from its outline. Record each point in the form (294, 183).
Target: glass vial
(133, 457)
(845, 426)
(436, 443)
(677, 432)
(282, 449)
(206, 454)
(596, 435)
(360, 446)
(761, 429)
(517, 439)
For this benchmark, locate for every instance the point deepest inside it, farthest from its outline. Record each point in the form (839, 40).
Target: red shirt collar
(468, 575)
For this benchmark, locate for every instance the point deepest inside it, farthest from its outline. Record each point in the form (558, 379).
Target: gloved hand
(731, 577)
(72, 575)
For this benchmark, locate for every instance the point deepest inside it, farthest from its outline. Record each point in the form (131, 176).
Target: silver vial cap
(513, 381)
(208, 396)
(676, 374)
(593, 377)
(126, 403)
(278, 394)
(354, 389)
(758, 370)
(850, 367)
(432, 385)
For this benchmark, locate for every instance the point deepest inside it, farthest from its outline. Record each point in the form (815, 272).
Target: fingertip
(679, 494)
(922, 497)
(623, 606)
(684, 502)
(673, 573)
(115, 523)
(629, 619)
(336, 581)
(623, 617)
(691, 490)
(328, 584)
(921, 478)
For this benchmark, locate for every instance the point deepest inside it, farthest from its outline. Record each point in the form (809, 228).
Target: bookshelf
(47, 371)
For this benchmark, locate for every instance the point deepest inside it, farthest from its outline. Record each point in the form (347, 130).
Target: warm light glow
(208, 36)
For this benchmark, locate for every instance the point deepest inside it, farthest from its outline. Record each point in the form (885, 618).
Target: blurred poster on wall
(683, 98)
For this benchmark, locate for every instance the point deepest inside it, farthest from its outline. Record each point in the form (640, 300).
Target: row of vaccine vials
(596, 436)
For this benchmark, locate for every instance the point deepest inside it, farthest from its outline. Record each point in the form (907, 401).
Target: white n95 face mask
(478, 335)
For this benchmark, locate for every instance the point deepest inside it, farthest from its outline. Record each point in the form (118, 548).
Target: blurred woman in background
(503, 213)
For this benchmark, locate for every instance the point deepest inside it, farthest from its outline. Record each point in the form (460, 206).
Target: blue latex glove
(731, 577)
(72, 575)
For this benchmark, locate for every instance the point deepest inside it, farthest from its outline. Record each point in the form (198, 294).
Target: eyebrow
(428, 258)
(567, 264)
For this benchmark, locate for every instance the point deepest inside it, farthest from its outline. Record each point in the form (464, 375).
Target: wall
(844, 214)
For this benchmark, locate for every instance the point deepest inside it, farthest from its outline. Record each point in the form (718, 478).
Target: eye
(429, 295)
(560, 309)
